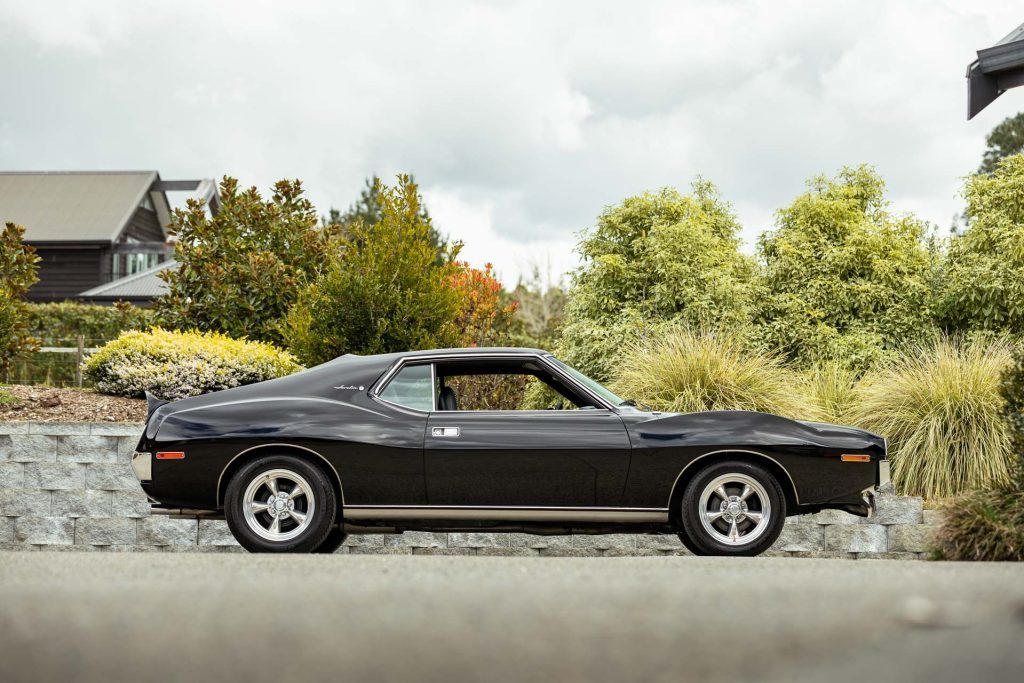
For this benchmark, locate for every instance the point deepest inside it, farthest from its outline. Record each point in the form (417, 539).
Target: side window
(412, 387)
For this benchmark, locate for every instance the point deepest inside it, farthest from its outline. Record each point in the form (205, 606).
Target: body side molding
(519, 514)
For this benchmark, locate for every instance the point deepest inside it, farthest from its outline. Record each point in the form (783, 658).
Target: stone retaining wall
(69, 486)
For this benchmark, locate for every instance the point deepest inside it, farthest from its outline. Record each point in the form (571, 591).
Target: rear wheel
(333, 541)
(280, 504)
(732, 508)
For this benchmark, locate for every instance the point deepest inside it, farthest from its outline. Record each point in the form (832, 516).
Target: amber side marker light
(847, 457)
(178, 455)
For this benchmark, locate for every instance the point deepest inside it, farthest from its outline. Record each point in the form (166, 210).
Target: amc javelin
(404, 441)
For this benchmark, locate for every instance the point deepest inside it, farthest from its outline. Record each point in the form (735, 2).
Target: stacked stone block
(69, 486)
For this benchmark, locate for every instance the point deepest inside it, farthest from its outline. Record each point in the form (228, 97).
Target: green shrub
(984, 525)
(941, 409)
(59, 324)
(175, 365)
(383, 292)
(690, 371)
(846, 278)
(1012, 390)
(660, 257)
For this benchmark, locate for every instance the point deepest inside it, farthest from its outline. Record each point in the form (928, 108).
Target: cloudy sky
(521, 120)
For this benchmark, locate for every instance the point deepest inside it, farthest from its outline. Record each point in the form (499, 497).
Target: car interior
(503, 384)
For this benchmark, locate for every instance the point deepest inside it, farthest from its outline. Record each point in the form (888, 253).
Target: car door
(534, 458)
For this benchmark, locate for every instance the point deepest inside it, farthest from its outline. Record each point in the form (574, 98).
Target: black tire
(333, 541)
(294, 536)
(689, 545)
(713, 533)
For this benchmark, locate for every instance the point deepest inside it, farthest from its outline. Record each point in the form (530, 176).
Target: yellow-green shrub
(175, 365)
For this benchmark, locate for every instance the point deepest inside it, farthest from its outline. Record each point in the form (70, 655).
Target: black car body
(397, 459)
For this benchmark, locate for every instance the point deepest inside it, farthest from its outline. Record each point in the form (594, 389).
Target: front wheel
(733, 508)
(280, 504)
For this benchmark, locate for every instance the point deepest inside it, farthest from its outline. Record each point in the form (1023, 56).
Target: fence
(57, 363)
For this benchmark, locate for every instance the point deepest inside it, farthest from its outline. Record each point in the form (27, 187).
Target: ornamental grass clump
(941, 409)
(831, 387)
(174, 365)
(984, 525)
(690, 371)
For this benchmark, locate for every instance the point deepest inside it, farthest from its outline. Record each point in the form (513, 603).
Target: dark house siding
(143, 226)
(64, 272)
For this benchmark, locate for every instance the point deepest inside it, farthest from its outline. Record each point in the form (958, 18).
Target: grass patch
(6, 397)
(984, 525)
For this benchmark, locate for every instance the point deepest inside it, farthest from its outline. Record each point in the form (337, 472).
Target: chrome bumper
(142, 465)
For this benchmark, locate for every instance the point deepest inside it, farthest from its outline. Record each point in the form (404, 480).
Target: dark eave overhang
(996, 70)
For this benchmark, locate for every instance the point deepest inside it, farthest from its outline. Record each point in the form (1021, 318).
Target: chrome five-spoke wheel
(731, 508)
(281, 504)
(734, 509)
(278, 505)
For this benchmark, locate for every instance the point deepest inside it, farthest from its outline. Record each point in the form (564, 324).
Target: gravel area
(186, 617)
(46, 404)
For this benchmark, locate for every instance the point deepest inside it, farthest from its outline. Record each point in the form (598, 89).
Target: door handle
(449, 432)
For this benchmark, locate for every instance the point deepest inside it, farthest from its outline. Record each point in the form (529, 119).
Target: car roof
(469, 352)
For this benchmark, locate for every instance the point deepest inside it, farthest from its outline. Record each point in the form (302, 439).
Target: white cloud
(522, 120)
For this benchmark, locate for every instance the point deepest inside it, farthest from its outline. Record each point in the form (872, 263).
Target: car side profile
(425, 441)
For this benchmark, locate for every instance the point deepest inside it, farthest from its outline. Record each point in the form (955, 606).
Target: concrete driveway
(203, 617)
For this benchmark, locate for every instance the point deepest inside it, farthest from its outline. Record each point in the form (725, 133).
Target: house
(92, 229)
(996, 70)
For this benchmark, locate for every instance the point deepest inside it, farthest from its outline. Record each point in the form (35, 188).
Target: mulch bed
(45, 404)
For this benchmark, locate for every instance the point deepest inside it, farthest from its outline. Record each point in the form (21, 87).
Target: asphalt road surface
(253, 618)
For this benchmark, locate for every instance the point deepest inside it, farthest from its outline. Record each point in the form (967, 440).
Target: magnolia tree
(17, 274)
(240, 270)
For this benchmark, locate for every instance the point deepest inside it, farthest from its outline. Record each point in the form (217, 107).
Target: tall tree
(368, 210)
(240, 270)
(383, 289)
(1006, 139)
(846, 278)
(656, 258)
(17, 273)
(982, 281)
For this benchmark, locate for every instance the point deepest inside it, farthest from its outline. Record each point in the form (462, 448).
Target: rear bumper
(142, 466)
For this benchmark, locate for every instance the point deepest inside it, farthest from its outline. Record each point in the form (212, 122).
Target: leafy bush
(17, 274)
(983, 275)
(984, 525)
(690, 371)
(656, 258)
(61, 323)
(485, 316)
(846, 279)
(240, 270)
(941, 408)
(175, 365)
(384, 292)
(1012, 390)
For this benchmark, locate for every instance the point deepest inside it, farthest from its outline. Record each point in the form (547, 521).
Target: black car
(385, 444)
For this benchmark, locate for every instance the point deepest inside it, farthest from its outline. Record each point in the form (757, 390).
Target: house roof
(78, 206)
(142, 285)
(997, 69)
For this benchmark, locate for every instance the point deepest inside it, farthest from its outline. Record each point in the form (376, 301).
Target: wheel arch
(248, 454)
(713, 457)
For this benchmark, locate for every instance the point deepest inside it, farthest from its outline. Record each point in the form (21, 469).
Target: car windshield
(589, 383)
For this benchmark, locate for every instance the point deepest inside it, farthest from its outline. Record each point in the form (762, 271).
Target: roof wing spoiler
(152, 403)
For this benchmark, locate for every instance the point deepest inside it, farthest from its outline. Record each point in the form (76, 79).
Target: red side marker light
(847, 457)
(173, 455)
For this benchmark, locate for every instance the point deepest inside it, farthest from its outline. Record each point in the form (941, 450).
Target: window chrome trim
(796, 493)
(508, 513)
(382, 383)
